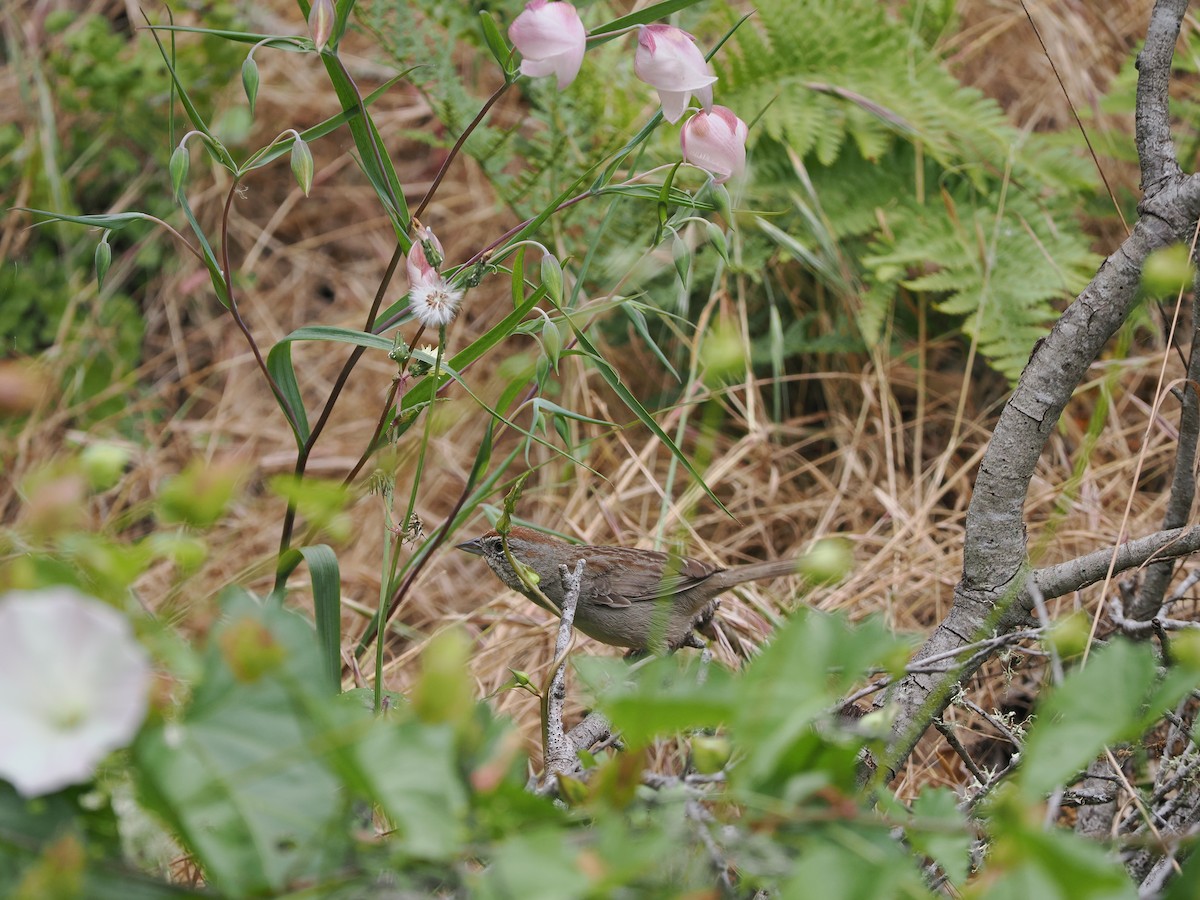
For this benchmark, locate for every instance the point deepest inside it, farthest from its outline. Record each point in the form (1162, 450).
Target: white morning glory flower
(73, 687)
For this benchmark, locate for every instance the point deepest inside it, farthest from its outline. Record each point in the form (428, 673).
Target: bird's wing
(622, 585)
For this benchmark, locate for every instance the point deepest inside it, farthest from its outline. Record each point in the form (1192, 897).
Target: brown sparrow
(641, 599)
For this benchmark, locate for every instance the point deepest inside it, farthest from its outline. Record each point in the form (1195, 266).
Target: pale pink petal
(669, 61)
(551, 39)
(674, 104)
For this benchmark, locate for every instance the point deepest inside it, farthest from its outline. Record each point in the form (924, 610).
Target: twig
(957, 746)
(701, 817)
(1008, 733)
(558, 753)
(594, 729)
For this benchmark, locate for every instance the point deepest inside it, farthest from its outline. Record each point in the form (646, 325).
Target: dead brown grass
(882, 449)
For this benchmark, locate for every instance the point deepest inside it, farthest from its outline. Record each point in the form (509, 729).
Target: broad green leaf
(410, 770)
(846, 863)
(327, 602)
(939, 831)
(1055, 865)
(541, 864)
(241, 776)
(279, 364)
(802, 672)
(1093, 706)
(661, 697)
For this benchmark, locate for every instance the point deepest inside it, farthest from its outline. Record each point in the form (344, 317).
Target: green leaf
(1056, 865)
(854, 864)
(1094, 706)
(114, 222)
(804, 670)
(662, 697)
(541, 404)
(373, 154)
(339, 335)
(279, 364)
(940, 832)
(216, 274)
(293, 43)
(193, 113)
(642, 327)
(539, 864)
(327, 602)
(239, 776)
(642, 17)
(496, 43)
(410, 770)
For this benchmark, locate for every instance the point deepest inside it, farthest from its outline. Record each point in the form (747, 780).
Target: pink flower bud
(551, 39)
(418, 266)
(320, 22)
(670, 62)
(716, 142)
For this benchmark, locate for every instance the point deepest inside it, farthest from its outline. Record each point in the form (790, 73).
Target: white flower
(433, 301)
(669, 61)
(551, 40)
(73, 687)
(716, 142)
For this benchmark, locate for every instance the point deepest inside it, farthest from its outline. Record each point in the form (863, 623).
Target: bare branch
(992, 598)
(1057, 580)
(1153, 122)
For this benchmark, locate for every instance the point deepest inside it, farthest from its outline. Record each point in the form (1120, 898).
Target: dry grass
(881, 450)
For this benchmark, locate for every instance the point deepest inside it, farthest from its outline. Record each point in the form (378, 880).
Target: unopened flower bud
(178, 167)
(302, 165)
(320, 23)
(716, 142)
(103, 259)
(552, 278)
(250, 81)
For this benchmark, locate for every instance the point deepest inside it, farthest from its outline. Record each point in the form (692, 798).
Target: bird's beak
(474, 547)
